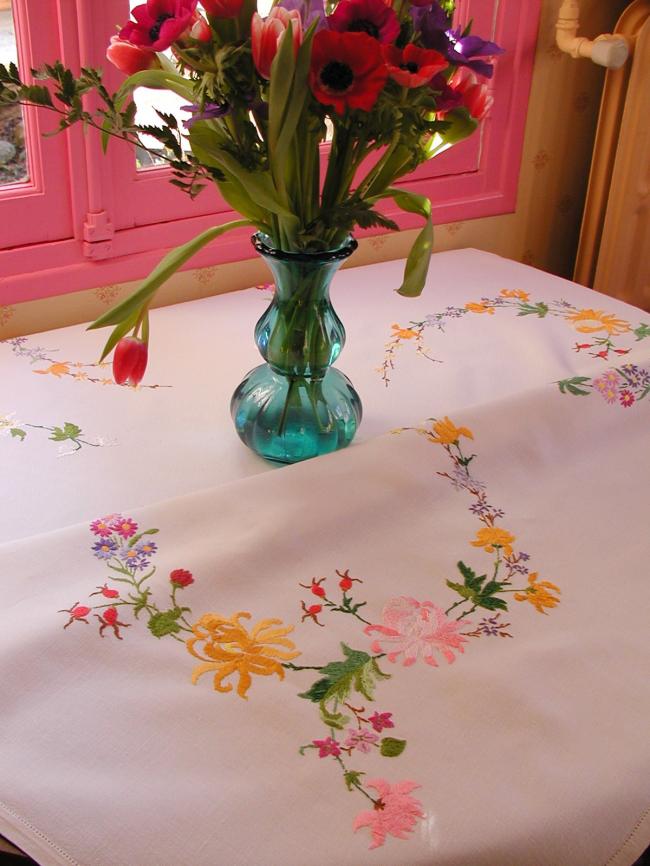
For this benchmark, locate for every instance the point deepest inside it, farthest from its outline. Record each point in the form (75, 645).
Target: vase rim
(262, 244)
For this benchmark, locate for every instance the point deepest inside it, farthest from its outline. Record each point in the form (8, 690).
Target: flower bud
(181, 577)
(266, 34)
(476, 97)
(223, 8)
(200, 29)
(129, 58)
(130, 361)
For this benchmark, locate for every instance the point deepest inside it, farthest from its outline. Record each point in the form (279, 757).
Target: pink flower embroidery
(362, 739)
(395, 813)
(416, 628)
(327, 747)
(379, 721)
(125, 527)
(101, 527)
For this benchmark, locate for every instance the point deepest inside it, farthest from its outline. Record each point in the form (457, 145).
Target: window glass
(13, 157)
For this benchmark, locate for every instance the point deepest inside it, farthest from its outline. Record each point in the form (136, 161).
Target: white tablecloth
(431, 648)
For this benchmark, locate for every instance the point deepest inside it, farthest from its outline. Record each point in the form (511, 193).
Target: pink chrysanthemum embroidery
(412, 628)
(626, 398)
(101, 527)
(395, 814)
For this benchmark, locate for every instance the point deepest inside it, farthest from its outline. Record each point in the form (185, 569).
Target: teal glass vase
(296, 406)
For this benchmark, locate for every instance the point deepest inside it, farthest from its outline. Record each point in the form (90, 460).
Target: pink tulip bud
(129, 361)
(130, 58)
(223, 8)
(266, 34)
(476, 97)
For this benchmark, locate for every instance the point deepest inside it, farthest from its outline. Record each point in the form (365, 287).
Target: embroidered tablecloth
(431, 648)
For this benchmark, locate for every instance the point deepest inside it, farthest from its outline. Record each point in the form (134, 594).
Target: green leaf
(461, 589)
(417, 263)
(68, 431)
(572, 386)
(470, 576)
(317, 691)
(352, 779)
(282, 72)
(164, 623)
(333, 718)
(491, 603)
(295, 103)
(167, 266)
(642, 331)
(391, 748)
(17, 433)
(158, 79)
(540, 309)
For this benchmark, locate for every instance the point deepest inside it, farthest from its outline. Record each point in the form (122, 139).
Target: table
(430, 648)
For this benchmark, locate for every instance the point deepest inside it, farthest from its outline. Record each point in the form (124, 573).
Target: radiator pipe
(606, 50)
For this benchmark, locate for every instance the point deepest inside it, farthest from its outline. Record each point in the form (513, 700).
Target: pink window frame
(120, 220)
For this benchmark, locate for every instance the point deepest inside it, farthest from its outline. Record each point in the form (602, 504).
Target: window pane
(13, 159)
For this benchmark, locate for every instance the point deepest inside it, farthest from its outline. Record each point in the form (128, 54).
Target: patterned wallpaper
(543, 231)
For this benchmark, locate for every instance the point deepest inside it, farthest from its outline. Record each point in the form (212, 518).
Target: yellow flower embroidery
(479, 308)
(229, 648)
(538, 593)
(58, 369)
(592, 321)
(403, 333)
(448, 434)
(515, 293)
(491, 537)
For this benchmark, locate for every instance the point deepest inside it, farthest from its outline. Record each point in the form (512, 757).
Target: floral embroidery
(593, 321)
(412, 629)
(231, 649)
(623, 386)
(395, 812)
(538, 594)
(235, 649)
(68, 432)
(600, 326)
(77, 370)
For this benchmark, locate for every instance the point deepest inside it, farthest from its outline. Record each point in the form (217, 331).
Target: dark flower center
(336, 76)
(410, 67)
(364, 25)
(154, 32)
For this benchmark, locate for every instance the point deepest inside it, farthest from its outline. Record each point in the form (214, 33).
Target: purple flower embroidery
(105, 548)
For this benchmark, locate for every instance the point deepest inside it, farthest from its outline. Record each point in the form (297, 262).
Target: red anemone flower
(159, 23)
(413, 66)
(347, 70)
(373, 17)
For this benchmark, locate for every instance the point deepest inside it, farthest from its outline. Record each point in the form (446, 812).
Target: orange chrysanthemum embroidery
(230, 648)
(592, 321)
(403, 333)
(492, 537)
(479, 308)
(538, 594)
(515, 293)
(446, 432)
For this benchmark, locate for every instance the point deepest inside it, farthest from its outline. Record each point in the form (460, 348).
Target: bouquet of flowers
(392, 80)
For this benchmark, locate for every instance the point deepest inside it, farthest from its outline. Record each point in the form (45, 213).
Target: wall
(543, 231)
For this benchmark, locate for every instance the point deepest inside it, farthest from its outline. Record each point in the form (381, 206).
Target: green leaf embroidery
(164, 623)
(358, 672)
(137, 537)
(642, 331)
(391, 748)
(17, 433)
(68, 431)
(572, 386)
(352, 779)
(540, 309)
(475, 590)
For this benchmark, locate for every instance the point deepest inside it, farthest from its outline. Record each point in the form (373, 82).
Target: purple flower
(132, 558)
(211, 110)
(435, 15)
(105, 548)
(310, 11)
(464, 50)
(146, 548)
